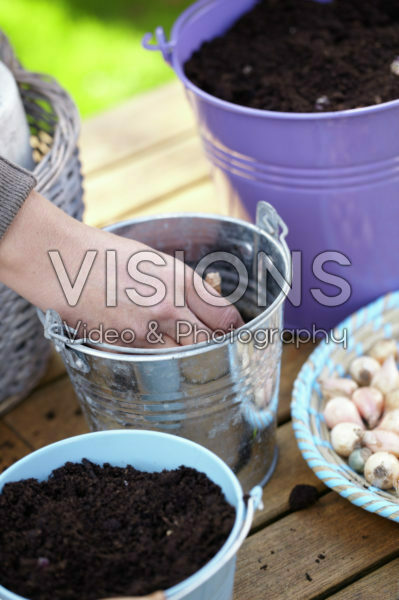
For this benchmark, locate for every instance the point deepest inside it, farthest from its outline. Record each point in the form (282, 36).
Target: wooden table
(144, 157)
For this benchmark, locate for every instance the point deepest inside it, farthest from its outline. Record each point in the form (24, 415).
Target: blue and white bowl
(361, 330)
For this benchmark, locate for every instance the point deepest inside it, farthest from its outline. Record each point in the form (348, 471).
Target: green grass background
(93, 47)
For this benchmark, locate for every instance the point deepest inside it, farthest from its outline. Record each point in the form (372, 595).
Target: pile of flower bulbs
(362, 412)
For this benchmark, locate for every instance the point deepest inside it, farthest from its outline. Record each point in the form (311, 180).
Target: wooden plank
(200, 198)
(108, 139)
(113, 194)
(156, 117)
(292, 361)
(308, 553)
(55, 369)
(12, 448)
(50, 414)
(291, 470)
(382, 583)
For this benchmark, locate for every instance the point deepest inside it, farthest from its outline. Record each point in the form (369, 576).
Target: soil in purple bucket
(304, 56)
(92, 532)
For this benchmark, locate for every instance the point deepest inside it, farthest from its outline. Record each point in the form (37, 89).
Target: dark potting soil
(304, 56)
(92, 532)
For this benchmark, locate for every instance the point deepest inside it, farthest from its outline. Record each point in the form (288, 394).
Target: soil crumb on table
(92, 532)
(302, 496)
(304, 56)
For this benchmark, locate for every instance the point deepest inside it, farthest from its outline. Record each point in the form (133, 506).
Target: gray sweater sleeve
(15, 186)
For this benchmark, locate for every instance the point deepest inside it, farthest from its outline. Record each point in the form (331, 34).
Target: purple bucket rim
(257, 112)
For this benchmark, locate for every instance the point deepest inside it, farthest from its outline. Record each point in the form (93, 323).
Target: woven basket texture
(376, 321)
(54, 124)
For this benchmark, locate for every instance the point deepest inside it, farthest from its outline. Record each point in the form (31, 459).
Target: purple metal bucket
(333, 177)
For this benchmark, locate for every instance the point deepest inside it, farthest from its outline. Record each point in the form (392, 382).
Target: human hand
(25, 266)
(171, 313)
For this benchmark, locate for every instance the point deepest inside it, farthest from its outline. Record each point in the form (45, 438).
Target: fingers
(188, 329)
(178, 326)
(224, 316)
(160, 342)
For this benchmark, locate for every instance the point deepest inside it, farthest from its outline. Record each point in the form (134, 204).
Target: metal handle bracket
(270, 221)
(54, 330)
(165, 46)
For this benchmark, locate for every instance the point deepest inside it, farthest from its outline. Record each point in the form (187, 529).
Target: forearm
(25, 266)
(39, 229)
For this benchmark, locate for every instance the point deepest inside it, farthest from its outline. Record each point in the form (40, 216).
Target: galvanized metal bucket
(221, 395)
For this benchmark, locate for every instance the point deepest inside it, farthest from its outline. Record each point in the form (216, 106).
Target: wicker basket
(54, 124)
(378, 320)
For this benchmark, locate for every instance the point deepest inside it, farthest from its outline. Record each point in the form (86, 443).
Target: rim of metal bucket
(244, 511)
(108, 351)
(167, 49)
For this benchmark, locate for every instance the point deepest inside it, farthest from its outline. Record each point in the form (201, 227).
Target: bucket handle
(54, 330)
(254, 502)
(165, 46)
(268, 219)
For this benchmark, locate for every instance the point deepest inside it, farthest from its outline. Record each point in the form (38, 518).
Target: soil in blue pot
(92, 531)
